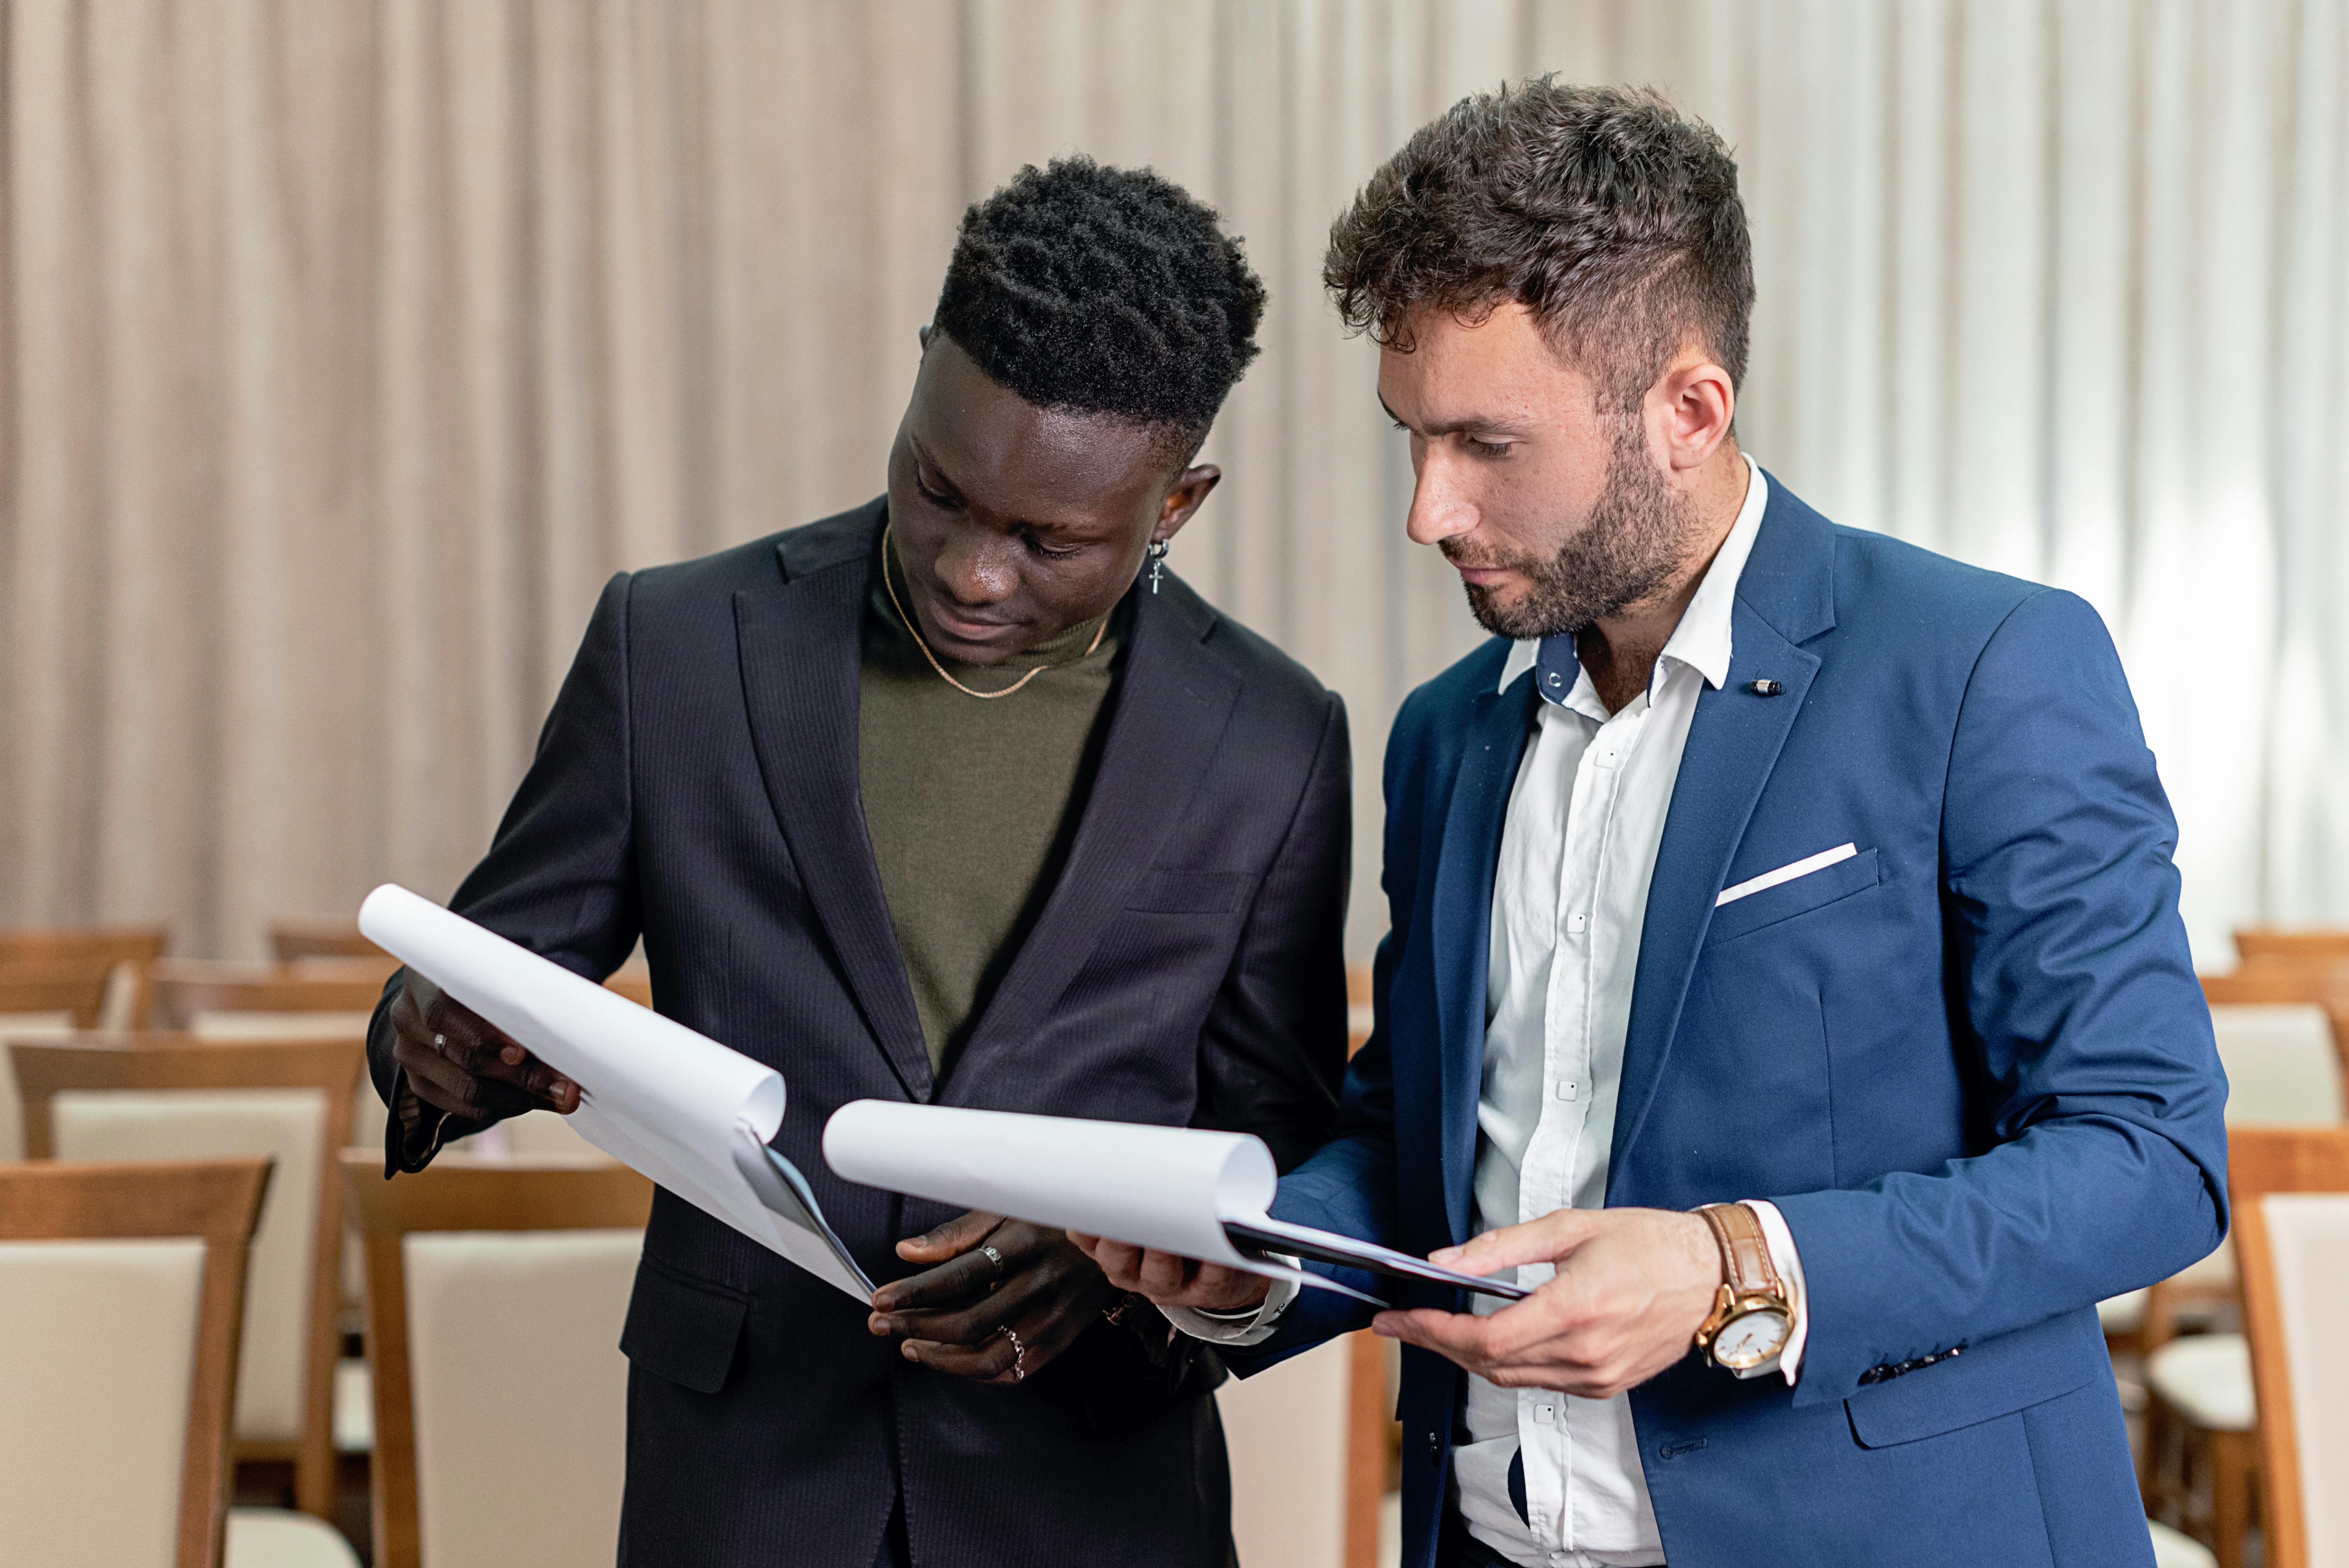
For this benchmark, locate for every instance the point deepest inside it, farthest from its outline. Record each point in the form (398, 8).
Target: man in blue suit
(1785, 976)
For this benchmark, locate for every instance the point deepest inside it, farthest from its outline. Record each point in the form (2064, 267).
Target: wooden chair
(97, 1464)
(2260, 945)
(2290, 1189)
(36, 994)
(2280, 1037)
(292, 939)
(123, 952)
(501, 1429)
(335, 996)
(129, 1099)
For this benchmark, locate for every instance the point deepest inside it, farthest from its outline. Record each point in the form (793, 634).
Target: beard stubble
(1637, 534)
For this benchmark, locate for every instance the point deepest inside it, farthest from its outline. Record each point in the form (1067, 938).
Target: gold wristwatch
(1751, 1315)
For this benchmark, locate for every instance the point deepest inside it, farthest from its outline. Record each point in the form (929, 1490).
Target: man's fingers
(1546, 1240)
(992, 1361)
(1163, 1274)
(1457, 1336)
(956, 1236)
(442, 1083)
(1119, 1263)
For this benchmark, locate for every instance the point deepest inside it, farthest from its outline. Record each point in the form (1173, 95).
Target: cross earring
(1157, 562)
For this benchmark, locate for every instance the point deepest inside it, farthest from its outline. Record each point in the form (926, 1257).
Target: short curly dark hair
(1103, 290)
(1603, 210)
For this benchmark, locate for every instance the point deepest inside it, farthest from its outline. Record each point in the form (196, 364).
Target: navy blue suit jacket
(1971, 1065)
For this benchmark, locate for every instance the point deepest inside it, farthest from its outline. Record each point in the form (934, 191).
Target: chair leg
(2152, 1483)
(2232, 1462)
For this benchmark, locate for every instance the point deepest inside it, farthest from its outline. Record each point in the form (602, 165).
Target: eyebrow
(1457, 426)
(937, 471)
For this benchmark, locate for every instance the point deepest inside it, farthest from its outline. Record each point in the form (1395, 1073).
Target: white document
(676, 1106)
(1181, 1189)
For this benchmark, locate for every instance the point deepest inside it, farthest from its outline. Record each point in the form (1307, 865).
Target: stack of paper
(1184, 1190)
(680, 1108)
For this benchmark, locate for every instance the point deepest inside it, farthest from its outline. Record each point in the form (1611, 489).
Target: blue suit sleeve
(2106, 1162)
(1349, 1184)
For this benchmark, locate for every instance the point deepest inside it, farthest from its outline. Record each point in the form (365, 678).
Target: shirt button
(1545, 1413)
(1566, 1089)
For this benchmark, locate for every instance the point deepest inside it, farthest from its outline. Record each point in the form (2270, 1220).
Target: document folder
(1187, 1190)
(687, 1111)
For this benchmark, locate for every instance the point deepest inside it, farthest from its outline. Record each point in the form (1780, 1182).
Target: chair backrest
(2282, 1062)
(292, 939)
(122, 952)
(481, 1457)
(120, 1291)
(78, 990)
(2260, 944)
(171, 1096)
(187, 989)
(2290, 1189)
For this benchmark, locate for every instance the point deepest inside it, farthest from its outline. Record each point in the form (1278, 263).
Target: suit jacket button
(1434, 1444)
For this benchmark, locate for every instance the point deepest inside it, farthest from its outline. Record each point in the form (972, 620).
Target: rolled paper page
(1181, 1189)
(654, 1095)
(1161, 1187)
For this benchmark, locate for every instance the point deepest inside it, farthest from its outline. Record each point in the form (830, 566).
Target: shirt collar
(1701, 640)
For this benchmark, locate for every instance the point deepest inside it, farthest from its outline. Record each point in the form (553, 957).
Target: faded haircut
(1607, 213)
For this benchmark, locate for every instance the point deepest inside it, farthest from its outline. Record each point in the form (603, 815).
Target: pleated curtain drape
(346, 346)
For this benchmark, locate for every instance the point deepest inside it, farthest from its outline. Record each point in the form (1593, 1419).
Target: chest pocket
(1789, 899)
(1165, 892)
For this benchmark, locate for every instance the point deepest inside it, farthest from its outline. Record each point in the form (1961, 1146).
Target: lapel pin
(1766, 688)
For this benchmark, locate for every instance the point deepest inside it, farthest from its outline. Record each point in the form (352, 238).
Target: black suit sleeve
(560, 877)
(1274, 1047)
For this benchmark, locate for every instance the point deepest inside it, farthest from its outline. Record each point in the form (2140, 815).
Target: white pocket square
(1786, 873)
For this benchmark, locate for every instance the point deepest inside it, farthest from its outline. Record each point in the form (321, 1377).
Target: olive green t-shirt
(972, 804)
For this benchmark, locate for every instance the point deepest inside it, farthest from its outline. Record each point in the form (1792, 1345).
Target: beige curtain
(346, 345)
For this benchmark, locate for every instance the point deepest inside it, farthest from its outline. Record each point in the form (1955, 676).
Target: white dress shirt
(1569, 898)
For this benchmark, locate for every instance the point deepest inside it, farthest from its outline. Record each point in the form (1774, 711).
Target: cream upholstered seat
(462, 1427)
(2207, 1378)
(2281, 1067)
(83, 1419)
(2173, 1549)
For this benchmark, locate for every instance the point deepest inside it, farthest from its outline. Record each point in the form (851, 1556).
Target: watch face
(1750, 1338)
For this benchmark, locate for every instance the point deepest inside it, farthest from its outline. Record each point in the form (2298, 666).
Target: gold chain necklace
(983, 695)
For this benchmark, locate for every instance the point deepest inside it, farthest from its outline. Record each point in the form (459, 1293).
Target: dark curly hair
(1603, 210)
(1103, 290)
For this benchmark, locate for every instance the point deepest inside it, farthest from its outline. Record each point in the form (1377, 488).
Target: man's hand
(458, 1061)
(1633, 1286)
(1166, 1280)
(955, 1316)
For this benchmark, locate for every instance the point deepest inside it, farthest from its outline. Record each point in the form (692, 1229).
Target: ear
(1185, 496)
(922, 332)
(1696, 401)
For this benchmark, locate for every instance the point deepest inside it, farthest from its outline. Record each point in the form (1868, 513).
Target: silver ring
(1019, 1354)
(993, 1257)
(439, 1042)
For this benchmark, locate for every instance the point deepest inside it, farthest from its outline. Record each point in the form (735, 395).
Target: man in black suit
(946, 799)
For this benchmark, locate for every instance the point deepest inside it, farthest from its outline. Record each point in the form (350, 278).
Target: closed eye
(1046, 551)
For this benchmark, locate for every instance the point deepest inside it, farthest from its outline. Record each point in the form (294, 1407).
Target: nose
(976, 566)
(1440, 509)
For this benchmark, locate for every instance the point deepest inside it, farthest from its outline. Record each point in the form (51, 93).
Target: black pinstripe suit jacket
(695, 782)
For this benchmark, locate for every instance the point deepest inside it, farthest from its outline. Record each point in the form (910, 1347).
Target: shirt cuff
(1237, 1332)
(1789, 1264)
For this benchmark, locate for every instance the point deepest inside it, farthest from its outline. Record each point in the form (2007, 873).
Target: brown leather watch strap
(1744, 1250)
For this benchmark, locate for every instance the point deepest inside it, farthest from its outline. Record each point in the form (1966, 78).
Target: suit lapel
(800, 649)
(1785, 597)
(1461, 922)
(1172, 705)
